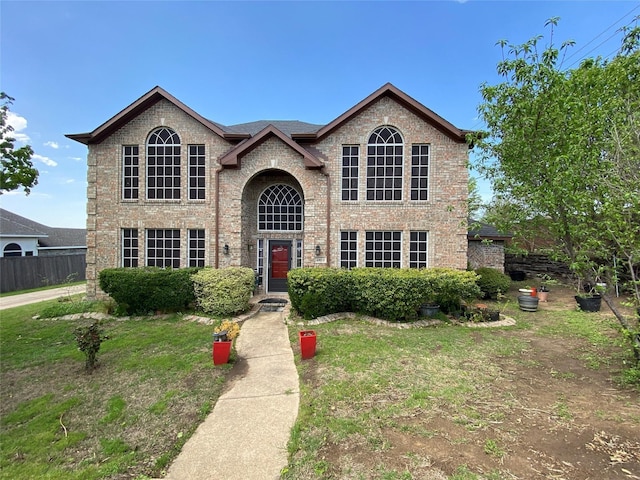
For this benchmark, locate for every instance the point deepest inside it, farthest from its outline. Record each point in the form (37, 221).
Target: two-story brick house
(384, 184)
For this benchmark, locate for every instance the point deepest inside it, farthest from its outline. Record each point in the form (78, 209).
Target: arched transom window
(163, 165)
(280, 208)
(384, 164)
(13, 250)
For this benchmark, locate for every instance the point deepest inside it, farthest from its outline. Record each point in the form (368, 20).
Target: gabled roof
(389, 90)
(13, 225)
(145, 102)
(291, 128)
(232, 158)
(484, 231)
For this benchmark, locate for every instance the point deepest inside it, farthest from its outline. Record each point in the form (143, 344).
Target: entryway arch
(273, 227)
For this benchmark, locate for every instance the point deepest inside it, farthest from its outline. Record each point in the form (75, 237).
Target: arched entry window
(163, 165)
(280, 208)
(385, 151)
(12, 250)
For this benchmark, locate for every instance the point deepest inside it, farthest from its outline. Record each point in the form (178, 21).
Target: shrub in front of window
(146, 290)
(388, 293)
(492, 282)
(224, 291)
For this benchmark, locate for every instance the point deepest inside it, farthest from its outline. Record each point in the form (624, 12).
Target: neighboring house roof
(293, 129)
(484, 231)
(13, 225)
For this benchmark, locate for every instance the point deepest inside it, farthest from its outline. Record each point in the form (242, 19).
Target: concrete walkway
(40, 296)
(246, 435)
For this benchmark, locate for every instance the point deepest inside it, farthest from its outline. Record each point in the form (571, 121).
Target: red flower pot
(307, 344)
(221, 352)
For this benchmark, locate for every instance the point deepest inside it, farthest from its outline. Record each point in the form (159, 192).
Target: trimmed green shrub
(224, 291)
(492, 282)
(389, 293)
(140, 291)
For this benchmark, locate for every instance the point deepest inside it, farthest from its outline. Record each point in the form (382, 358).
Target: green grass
(367, 380)
(154, 384)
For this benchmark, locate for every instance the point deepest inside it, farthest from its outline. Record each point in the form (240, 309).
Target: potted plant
(429, 309)
(588, 297)
(543, 289)
(223, 336)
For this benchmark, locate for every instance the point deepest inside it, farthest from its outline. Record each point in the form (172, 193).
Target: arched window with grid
(280, 208)
(163, 165)
(385, 154)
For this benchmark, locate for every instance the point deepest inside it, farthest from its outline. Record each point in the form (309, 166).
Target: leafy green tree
(562, 152)
(16, 168)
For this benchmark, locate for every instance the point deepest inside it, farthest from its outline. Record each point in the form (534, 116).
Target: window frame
(158, 158)
(196, 253)
(350, 183)
(130, 252)
(351, 249)
(415, 244)
(267, 207)
(419, 180)
(162, 260)
(131, 179)
(197, 160)
(385, 165)
(371, 252)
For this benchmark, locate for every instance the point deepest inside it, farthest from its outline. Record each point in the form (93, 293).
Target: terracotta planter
(221, 352)
(543, 296)
(307, 343)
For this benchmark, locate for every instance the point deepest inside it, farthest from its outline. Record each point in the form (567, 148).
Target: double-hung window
(196, 248)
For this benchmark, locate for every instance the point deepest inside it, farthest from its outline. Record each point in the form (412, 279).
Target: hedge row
(140, 291)
(145, 290)
(392, 294)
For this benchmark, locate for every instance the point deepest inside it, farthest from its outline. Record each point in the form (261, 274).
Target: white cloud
(18, 123)
(77, 159)
(70, 180)
(46, 160)
(52, 144)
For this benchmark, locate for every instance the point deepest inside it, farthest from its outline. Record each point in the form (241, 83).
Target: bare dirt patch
(554, 417)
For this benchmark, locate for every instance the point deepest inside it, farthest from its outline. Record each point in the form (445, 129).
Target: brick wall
(443, 215)
(483, 254)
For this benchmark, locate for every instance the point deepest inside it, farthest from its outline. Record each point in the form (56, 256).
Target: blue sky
(73, 65)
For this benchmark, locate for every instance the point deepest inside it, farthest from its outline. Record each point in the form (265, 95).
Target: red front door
(279, 265)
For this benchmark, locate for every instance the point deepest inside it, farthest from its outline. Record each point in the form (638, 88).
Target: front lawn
(544, 399)
(154, 384)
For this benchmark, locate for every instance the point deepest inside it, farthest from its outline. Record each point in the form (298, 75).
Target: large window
(384, 165)
(383, 249)
(350, 159)
(196, 248)
(163, 248)
(129, 247)
(420, 172)
(348, 249)
(130, 172)
(163, 165)
(418, 243)
(12, 250)
(196, 172)
(280, 208)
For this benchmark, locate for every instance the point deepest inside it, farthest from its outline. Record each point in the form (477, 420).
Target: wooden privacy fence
(20, 273)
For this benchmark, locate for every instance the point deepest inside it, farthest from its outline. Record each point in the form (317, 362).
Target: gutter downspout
(328, 226)
(216, 233)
